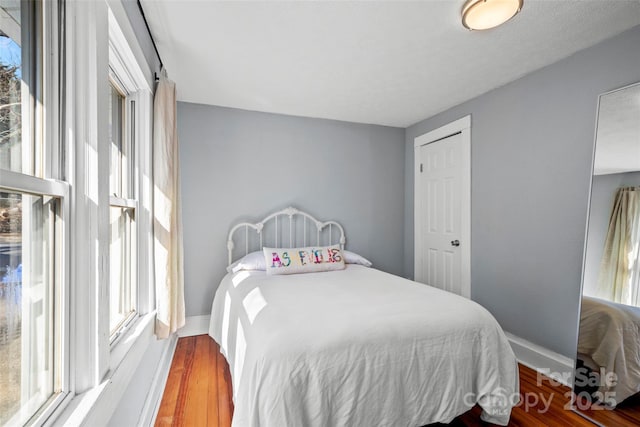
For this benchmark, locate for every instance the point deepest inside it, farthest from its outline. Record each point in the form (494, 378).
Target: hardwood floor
(198, 390)
(198, 393)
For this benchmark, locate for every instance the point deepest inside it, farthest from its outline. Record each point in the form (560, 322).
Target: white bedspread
(358, 347)
(610, 336)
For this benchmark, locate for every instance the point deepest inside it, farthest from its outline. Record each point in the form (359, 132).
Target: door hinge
(420, 167)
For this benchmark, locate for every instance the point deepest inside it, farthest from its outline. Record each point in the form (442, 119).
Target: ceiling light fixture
(485, 14)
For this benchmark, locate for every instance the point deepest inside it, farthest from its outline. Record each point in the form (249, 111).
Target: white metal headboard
(294, 238)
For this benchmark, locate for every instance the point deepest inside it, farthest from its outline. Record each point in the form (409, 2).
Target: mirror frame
(573, 406)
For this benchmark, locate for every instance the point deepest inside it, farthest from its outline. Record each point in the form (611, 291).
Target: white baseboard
(547, 362)
(195, 325)
(152, 402)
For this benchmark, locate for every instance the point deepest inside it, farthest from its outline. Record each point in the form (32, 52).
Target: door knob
(455, 243)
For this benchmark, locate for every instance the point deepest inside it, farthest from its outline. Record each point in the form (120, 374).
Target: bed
(355, 346)
(609, 339)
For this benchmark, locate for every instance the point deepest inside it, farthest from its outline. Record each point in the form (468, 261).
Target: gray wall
(242, 165)
(532, 143)
(603, 191)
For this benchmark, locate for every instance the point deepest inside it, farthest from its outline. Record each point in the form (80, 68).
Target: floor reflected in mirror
(626, 413)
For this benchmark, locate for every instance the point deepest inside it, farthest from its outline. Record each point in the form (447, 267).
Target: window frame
(126, 71)
(18, 182)
(41, 69)
(127, 195)
(97, 371)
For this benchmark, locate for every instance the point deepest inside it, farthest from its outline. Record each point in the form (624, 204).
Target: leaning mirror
(607, 376)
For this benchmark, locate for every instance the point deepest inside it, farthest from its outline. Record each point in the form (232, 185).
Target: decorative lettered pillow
(303, 260)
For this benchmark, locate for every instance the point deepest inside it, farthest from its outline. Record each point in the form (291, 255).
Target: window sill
(95, 406)
(127, 337)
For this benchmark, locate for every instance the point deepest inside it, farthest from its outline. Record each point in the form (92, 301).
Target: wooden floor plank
(187, 367)
(197, 385)
(213, 403)
(198, 392)
(167, 408)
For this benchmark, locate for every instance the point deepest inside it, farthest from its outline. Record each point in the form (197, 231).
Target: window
(11, 96)
(74, 143)
(32, 216)
(123, 248)
(619, 277)
(129, 123)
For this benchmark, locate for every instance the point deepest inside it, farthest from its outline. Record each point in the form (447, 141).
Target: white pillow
(303, 260)
(251, 261)
(354, 258)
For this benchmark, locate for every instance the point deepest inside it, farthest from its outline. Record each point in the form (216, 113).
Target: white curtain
(167, 228)
(618, 280)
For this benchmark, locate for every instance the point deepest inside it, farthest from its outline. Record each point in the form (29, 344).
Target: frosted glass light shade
(485, 14)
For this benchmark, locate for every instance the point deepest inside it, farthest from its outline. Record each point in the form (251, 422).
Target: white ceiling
(384, 62)
(618, 136)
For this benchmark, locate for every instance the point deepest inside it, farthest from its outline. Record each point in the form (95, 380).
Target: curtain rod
(144, 18)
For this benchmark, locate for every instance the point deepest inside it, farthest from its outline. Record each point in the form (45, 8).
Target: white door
(443, 198)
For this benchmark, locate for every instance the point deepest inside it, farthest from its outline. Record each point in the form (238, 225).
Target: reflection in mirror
(607, 379)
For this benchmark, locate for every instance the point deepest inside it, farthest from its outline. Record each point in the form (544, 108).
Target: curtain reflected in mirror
(607, 378)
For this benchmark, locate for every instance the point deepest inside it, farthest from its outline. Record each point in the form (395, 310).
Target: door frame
(462, 126)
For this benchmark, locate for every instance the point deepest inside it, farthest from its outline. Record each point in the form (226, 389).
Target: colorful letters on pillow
(303, 260)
